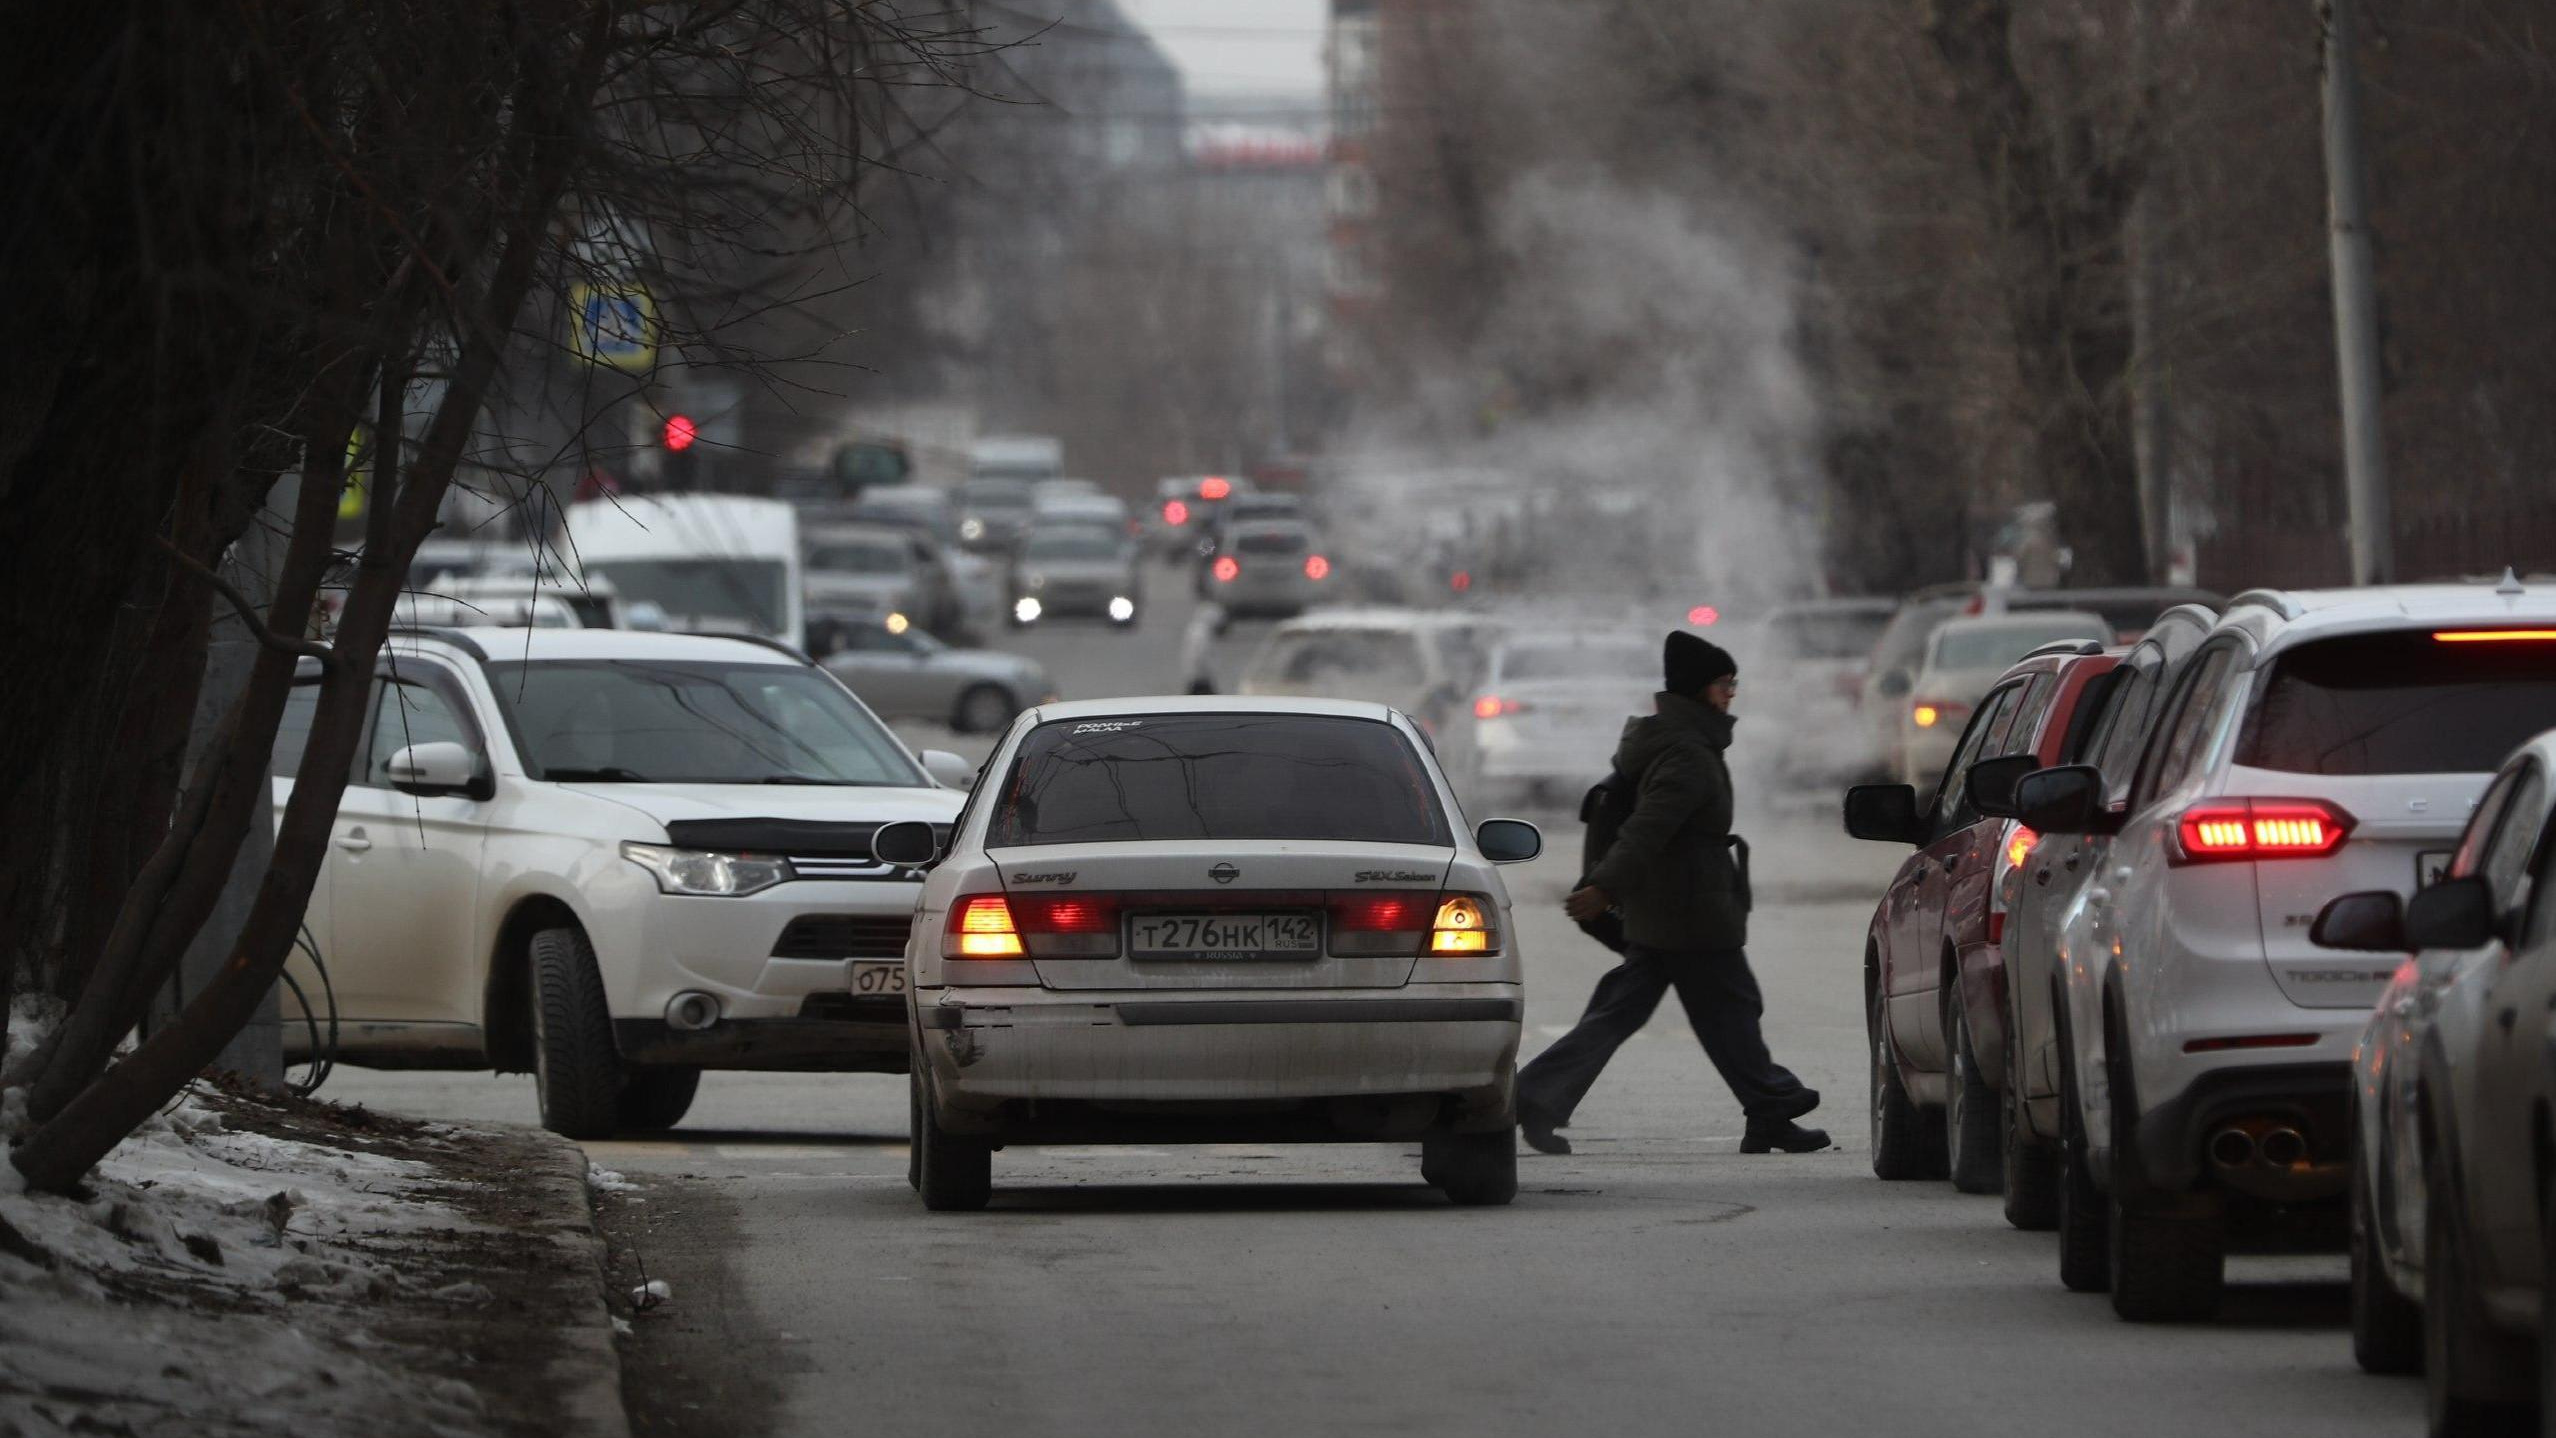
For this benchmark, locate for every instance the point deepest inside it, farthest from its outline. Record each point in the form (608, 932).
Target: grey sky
(1239, 47)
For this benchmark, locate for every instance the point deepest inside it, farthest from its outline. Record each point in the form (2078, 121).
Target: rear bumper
(998, 1054)
(2314, 1097)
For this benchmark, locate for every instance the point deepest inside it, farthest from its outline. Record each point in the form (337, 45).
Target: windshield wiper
(594, 776)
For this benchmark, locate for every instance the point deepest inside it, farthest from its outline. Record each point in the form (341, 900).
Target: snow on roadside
(214, 1279)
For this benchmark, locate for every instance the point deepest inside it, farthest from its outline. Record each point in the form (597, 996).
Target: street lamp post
(2356, 347)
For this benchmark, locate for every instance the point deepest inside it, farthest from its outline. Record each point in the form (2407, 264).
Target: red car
(1934, 979)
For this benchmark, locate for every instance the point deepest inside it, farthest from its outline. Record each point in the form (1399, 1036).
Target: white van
(715, 563)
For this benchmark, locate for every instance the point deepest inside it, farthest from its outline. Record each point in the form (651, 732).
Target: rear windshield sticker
(1108, 726)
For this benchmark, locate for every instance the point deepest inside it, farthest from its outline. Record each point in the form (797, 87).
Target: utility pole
(2151, 418)
(2356, 352)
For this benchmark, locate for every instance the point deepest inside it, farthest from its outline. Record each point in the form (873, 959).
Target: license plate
(880, 980)
(2430, 867)
(1225, 936)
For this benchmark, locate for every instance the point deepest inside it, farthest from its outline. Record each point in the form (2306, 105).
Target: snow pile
(213, 1279)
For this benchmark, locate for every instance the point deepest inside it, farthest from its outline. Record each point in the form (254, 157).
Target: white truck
(713, 563)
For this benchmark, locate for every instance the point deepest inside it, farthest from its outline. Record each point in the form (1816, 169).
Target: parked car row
(2146, 971)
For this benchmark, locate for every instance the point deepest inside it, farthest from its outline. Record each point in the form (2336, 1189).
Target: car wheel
(914, 1126)
(576, 1068)
(657, 1099)
(2085, 1239)
(2387, 1327)
(983, 709)
(2169, 1253)
(2031, 1166)
(1905, 1145)
(1474, 1170)
(2473, 1381)
(1971, 1117)
(954, 1172)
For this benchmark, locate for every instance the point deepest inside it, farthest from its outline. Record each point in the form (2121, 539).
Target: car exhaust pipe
(2284, 1147)
(692, 1011)
(2231, 1148)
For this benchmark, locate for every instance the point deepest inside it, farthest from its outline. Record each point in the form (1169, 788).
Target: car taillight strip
(2238, 829)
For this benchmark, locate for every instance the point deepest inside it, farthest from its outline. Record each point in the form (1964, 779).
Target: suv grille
(844, 936)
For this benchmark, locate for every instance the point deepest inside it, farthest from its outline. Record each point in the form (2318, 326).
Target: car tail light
(1391, 922)
(1703, 616)
(1067, 926)
(2238, 829)
(2494, 636)
(1463, 926)
(1317, 567)
(1226, 567)
(1927, 713)
(1489, 707)
(1460, 581)
(981, 927)
(1215, 487)
(1175, 513)
(2007, 878)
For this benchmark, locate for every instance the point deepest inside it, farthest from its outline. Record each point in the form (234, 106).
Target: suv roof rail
(2076, 647)
(441, 635)
(2271, 599)
(765, 640)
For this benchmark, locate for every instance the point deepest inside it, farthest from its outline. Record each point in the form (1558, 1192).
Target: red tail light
(1214, 487)
(1460, 581)
(2239, 829)
(1038, 926)
(1226, 568)
(1390, 922)
(1703, 616)
(1317, 567)
(1488, 707)
(1175, 513)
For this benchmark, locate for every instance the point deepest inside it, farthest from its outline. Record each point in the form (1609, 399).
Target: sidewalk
(254, 1265)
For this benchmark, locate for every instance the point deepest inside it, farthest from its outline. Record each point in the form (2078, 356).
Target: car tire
(2031, 1179)
(1474, 1170)
(954, 1172)
(983, 709)
(914, 1126)
(2168, 1266)
(1905, 1145)
(2387, 1327)
(653, 1100)
(2085, 1218)
(577, 1070)
(2473, 1375)
(1973, 1124)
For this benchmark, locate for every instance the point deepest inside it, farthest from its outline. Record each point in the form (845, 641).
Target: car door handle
(1950, 862)
(2041, 875)
(353, 840)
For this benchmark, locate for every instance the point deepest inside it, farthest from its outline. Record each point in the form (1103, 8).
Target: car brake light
(1388, 922)
(981, 928)
(1214, 487)
(1317, 567)
(2235, 829)
(1226, 568)
(2001, 894)
(1703, 616)
(1463, 926)
(1460, 581)
(1175, 513)
(1488, 707)
(2019, 846)
(1068, 926)
(2494, 636)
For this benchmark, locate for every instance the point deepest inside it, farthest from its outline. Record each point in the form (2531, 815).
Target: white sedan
(1213, 920)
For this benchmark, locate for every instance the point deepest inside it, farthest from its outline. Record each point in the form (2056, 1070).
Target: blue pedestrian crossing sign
(616, 326)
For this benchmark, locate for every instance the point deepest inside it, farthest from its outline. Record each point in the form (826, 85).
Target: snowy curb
(588, 1366)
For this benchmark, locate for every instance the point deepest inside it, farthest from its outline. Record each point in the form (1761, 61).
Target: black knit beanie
(1690, 661)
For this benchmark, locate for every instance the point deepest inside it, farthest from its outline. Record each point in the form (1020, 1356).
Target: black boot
(1782, 1136)
(1537, 1128)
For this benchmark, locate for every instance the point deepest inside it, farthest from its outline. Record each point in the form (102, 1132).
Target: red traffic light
(680, 432)
(1703, 616)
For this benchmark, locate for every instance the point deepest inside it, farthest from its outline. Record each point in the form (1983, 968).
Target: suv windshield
(719, 590)
(1217, 776)
(629, 721)
(1270, 541)
(2400, 704)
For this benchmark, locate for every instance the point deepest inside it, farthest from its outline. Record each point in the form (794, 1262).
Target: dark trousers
(1722, 1002)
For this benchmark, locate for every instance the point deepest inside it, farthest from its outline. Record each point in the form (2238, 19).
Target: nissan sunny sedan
(1213, 920)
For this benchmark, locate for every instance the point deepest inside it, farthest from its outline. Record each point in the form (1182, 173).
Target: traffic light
(679, 437)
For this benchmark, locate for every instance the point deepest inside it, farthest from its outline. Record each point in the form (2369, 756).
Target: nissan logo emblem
(1224, 873)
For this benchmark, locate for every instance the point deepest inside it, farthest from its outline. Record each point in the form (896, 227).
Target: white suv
(2315, 744)
(613, 859)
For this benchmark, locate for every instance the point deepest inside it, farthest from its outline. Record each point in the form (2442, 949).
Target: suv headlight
(708, 873)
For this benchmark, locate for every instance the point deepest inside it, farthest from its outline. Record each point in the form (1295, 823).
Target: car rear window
(1997, 644)
(2401, 703)
(1319, 656)
(1273, 542)
(1217, 776)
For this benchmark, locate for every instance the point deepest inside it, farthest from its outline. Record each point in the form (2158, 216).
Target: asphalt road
(1655, 1281)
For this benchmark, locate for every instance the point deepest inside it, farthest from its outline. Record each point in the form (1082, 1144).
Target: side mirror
(908, 844)
(439, 768)
(2065, 800)
(1991, 783)
(949, 770)
(2372, 922)
(2452, 914)
(1508, 841)
(1895, 684)
(1884, 813)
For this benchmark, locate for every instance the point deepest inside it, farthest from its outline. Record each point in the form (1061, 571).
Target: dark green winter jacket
(1671, 871)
